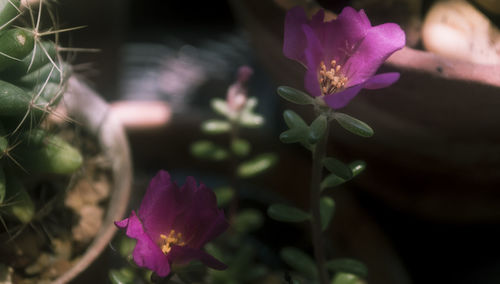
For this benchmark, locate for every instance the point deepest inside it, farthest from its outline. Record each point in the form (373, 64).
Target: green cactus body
(40, 75)
(9, 9)
(32, 80)
(14, 101)
(19, 202)
(45, 153)
(33, 61)
(50, 92)
(15, 44)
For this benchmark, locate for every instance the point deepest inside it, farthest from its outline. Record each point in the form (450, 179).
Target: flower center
(331, 81)
(172, 239)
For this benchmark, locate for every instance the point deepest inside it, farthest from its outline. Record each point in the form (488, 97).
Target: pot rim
(98, 119)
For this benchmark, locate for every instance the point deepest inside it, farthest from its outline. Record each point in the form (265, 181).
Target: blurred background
(418, 214)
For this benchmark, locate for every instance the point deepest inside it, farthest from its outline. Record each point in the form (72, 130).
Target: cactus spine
(33, 79)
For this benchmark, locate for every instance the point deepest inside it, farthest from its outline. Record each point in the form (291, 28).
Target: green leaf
(331, 180)
(240, 147)
(250, 104)
(337, 167)
(348, 265)
(215, 126)
(298, 132)
(317, 129)
(294, 135)
(251, 120)
(220, 106)
(326, 209)
(248, 220)
(122, 276)
(299, 261)
(357, 167)
(295, 96)
(224, 195)
(346, 278)
(247, 116)
(206, 149)
(286, 213)
(353, 125)
(293, 120)
(126, 246)
(257, 165)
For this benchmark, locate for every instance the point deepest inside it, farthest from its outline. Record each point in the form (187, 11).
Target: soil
(69, 214)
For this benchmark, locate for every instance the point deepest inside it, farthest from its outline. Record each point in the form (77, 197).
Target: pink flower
(173, 224)
(342, 55)
(237, 93)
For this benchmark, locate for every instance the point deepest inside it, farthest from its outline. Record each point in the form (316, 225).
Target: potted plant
(65, 166)
(435, 122)
(452, 141)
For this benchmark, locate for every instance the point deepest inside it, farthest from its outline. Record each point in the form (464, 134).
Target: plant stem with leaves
(318, 155)
(314, 137)
(233, 160)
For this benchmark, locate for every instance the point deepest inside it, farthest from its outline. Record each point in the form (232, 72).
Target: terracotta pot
(436, 148)
(86, 107)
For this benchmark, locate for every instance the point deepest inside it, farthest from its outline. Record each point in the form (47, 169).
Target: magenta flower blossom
(237, 93)
(342, 55)
(173, 224)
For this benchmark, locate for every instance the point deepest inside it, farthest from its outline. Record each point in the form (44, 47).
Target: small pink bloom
(237, 92)
(342, 55)
(173, 224)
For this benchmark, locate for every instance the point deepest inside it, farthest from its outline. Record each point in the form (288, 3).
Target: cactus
(33, 78)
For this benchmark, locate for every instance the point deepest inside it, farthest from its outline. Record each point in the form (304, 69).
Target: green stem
(319, 153)
(234, 132)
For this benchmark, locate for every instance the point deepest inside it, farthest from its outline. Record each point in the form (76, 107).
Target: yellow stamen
(172, 239)
(331, 81)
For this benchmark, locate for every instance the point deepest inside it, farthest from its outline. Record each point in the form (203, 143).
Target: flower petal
(313, 55)
(341, 36)
(356, 23)
(146, 252)
(133, 227)
(122, 224)
(380, 42)
(341, 99)
(180, 255)
(159, 206)
(213, 228)
(201, 220)
(382, 80)
(191, 212)
(294, 38)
